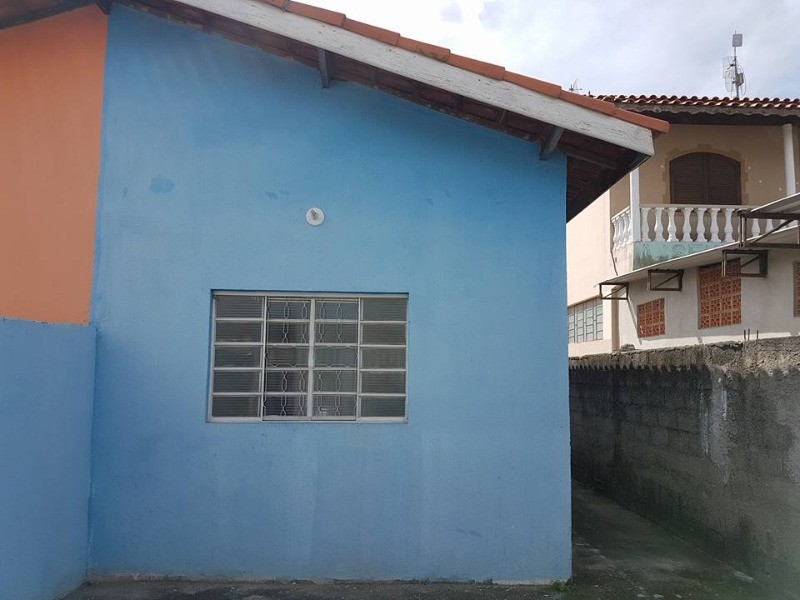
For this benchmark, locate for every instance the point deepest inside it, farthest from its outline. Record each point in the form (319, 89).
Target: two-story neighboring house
(721, 155)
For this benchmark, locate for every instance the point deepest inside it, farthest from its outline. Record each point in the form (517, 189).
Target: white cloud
(451, 13)
(621, 46)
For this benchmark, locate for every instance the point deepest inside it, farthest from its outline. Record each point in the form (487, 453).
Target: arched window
(705, 178)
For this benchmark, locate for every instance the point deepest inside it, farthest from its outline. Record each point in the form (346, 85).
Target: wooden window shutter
(687, 179)
(705, 178)
(722, 180)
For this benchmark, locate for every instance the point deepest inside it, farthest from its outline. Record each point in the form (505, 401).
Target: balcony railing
(684, 223)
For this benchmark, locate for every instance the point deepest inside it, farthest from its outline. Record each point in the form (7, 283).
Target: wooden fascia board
(501, 94)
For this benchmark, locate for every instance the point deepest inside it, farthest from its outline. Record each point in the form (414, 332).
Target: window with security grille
(585, 321)
(294, 357)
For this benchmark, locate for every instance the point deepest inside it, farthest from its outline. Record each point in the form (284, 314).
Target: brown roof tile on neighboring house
(713, 101)
(699, 110)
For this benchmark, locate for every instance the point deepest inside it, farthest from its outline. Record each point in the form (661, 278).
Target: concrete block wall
(704, 439)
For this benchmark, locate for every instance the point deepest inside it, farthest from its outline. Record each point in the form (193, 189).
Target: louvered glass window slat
(237, 332)
(391, 406)
(235, 406)
(585, 321)
(237, 356)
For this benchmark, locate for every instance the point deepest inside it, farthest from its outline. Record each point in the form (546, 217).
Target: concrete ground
(617, 555)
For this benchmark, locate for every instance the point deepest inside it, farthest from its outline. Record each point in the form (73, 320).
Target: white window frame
(308, 418)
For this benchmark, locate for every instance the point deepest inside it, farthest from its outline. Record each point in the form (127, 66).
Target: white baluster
(687, 224)
(770, 225)
(671, 224)
(659, 232)
(626, 219)
(701, 225)
(755, 230)
(615, 233)
(714, 225)
(728, 225)
(645, 212)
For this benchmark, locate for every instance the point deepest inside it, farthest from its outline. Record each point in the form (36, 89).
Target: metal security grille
(308, 358)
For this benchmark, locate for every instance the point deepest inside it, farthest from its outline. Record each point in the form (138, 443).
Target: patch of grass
(561, 586)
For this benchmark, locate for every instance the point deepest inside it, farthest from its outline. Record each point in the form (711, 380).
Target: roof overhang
(601, 142)
(413, 65)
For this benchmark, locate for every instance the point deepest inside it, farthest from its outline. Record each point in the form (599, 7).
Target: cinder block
(666, 418)
(633, 414)
(688, 421)
(624, 394)
(674, 397)
(659, 437)
(679, 440)
(642, 433)
(649, 415)
(657, 397)
(769, 464)
(627, 431)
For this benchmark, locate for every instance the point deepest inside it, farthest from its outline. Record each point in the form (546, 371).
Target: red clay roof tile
(588, 102)
(642, 120)
(602, 104)
(429, 50)
(376, 33)
(477, 66)
(535, 85)
(318, 14)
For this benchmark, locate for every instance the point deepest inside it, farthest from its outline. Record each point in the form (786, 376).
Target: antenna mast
(732, 72)
(738, 78)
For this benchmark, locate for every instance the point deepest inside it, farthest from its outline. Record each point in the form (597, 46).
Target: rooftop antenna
(732, 71)
(573, 87)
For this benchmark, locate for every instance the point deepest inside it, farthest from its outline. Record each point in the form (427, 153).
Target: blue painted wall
(213, 152)
(46, 390)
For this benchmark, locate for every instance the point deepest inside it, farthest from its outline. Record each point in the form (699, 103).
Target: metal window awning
(665, 280)
(747, 257)
(786, 212)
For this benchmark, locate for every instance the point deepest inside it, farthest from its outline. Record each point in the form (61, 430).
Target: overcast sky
(613, 47)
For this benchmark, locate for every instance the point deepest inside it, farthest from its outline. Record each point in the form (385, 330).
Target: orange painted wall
(51, 99)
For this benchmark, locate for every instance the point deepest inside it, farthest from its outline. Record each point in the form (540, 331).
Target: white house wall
(589, 261)
(767, 308)
(588, 256)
